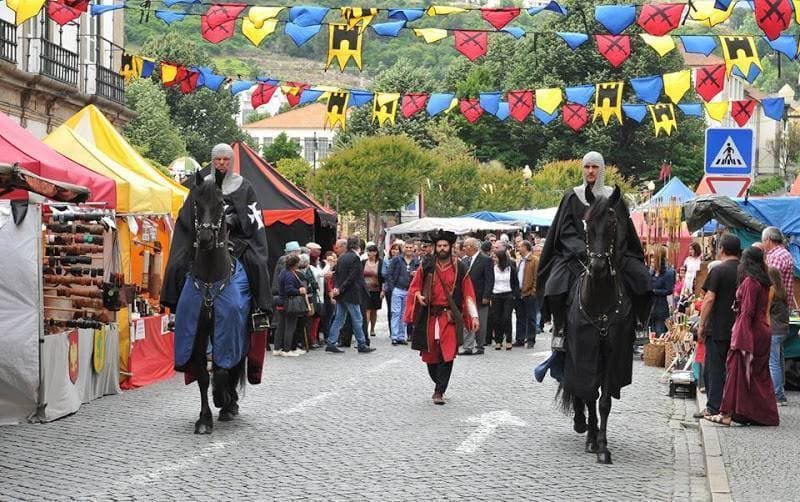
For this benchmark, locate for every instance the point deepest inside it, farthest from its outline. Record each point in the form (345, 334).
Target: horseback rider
(247, 238)
(564, 256)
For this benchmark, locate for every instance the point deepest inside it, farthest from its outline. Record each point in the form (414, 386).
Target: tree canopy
(152, 132)
(281, 148)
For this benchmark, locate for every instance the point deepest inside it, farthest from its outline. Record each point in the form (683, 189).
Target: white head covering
(222, 150)
(599, 188)
(232, 180)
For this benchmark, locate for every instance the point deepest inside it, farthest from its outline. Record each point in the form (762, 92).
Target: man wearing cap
(441, 303)
(564, 253)
(246, 234)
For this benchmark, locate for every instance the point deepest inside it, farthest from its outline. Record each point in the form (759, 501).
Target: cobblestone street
(362, 427)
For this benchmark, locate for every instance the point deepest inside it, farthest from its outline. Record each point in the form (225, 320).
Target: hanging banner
(472, 44)
(520, 104)
(663, 115)
(575, 115)
(499, 17)
(709, 81)
(742, 110)
(336, 112)
(358, 16)
(660, 19)
(344, 43)
(413, 103)
(384, 107)
(608, 101)
(219, 22)
(615, 48)
(739, 52)
(676, 84)
(471, 109)
(773, 16)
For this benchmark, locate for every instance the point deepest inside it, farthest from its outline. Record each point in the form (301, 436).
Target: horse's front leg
(205, 424)
(603, 454)
(591, 436)
(579, 420)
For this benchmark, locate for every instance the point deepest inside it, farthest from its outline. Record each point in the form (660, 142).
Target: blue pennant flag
(301, 34)
(209, 79)
(544, 117)
(502, 110)
(635, 112)
(785, 44)
(699, 44)
(648, 89)
(406, 14)
(580, 94)
(490, 101)
(170, 3)
(514, 31)
(573, 40)
(438, 103)
(390, 29)
(552, 6)
(268, 81)
(305, 15)
(310, 95)
(96, 10)
(169, 16)
(691, 109)
(147, 68)
(615, 18)
(359, 97)
(721, 4)
(773, 108)
(752, 73)
(238, 86)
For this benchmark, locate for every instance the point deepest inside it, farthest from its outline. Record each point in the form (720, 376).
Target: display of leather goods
(67, 216)
(69, 260)
(73, 323)
(68, 279)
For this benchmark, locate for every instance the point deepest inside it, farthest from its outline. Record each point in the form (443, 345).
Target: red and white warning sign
(732, 186)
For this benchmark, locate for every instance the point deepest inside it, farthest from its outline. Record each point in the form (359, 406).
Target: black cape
(248, 239)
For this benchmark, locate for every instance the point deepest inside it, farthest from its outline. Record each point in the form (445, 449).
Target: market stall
(459, 226)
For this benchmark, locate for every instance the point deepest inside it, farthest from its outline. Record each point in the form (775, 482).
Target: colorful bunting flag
(472, 44)
(742, 110)
(580, 94)
(344, 43)
(24, 9)
(616, 49)
(608, 101)
(219, 21)
(355, 15)
(301, 34)
(635, 112)
(260, 22)
(305, 15)
(390, 29)
(552, 6)
(169, 16)
(739, 52)
(406, 14)
(502, 111)
(238, 86)
(706, 12)
(514, 31)
(573, 40)
(785, 44)
(773, 16)
(716, 111)
(187, 79)
(490, 102)
(262, 95)
(615, 18)
(575, 115)
(440, 102)
(292, 91)
(413, 102)
(209, 79)
(336, 111)
(663, 115)
(660, 19)
(443, 10)
(471, 109)
(692, 109)
(131, 67)
(359, 97)
(520, 104)
(676, 84)
(698, 44)
(773, 108)
(169, 73)
(61, 13)
(709, 81)
(662, 45)
(648, 89)
(430, 35)
(544, 117)
(384, 107)
(548, 100)
(499, 17)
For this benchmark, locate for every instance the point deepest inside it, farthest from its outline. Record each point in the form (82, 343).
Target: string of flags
(545, 105)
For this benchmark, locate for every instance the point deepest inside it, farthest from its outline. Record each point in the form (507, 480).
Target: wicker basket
(654, 354)
(669, 354)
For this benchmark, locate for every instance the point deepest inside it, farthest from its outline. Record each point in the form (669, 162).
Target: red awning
(288, 216)
(19, 145)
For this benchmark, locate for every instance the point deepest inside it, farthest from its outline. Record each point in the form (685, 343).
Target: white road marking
(181, 463)
(487, 425)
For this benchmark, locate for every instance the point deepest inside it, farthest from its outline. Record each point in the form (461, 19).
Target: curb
(715, 465)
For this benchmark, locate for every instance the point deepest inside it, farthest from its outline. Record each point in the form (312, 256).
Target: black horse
(213, 273)
(600, 327)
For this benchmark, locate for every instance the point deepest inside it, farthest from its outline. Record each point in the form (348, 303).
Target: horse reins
(214, 227)
(601, 322)
(207, 288)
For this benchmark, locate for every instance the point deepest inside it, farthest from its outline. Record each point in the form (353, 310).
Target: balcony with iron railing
(8, 41)
(110, 85)
(59, 63)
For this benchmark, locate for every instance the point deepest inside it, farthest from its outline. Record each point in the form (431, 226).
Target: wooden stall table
(152, 356)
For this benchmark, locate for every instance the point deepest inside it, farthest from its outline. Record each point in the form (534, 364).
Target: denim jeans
(342, 310)
(527, 312)
(398, 310)
(776, 365)
(659, 326)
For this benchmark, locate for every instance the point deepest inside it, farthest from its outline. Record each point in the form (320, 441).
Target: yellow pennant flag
(663, 115)
(705, 12)
(344, 43)
(355, 15)
(384, 107)
(131, 67)
(608, 101)
(430, 35)
(168, 73)
(453, 105)
(24, 9)
(548, 100)
(336, 111)
(796, 6)
(676, 84)
(739, 52)
(662, 45)
(443, 10)
(717, 110)
(260, 22)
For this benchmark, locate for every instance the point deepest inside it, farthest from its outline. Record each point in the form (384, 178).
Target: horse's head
(209, 213)
(602, 235)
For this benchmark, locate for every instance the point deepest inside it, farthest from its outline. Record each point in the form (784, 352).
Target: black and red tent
(289, 213)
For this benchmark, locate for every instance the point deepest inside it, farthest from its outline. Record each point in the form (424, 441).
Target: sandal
(720, 419)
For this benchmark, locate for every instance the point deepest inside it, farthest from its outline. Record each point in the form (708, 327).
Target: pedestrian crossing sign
(729, 151)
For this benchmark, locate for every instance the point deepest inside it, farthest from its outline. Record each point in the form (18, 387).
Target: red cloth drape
(153, 358)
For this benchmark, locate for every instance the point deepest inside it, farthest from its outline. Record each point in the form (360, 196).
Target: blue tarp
(532, 217)
(781, 212)
(489, 216)
(673, 188)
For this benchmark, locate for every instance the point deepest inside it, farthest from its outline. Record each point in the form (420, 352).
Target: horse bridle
(608, 255)
(601, 322)
(214, 227)
(207, 288)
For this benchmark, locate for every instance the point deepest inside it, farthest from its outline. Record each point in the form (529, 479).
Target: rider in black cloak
(562, 262)
(246, 233)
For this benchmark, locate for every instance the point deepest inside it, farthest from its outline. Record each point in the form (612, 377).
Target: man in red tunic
(440, 303)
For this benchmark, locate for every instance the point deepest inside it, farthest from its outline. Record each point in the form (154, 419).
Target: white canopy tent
(458, 226)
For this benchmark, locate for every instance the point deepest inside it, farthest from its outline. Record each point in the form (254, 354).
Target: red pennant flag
(294, 97)
(61, 13)
(413, 103)
(666, 171)
(263, 94)
(520, 104)
(187, 79)
(471, 108)
(773, 16)
(660, 19)
(80, 5)
(615, 48)
(472, 44)
(709, 81)
(499, 18)
(741, 111)
(219, 22)
(575, 115)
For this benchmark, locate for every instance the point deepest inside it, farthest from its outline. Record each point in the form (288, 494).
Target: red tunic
(748, 385)
(447, 347)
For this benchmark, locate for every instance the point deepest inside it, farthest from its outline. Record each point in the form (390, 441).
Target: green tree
(255, 116)
(152, 132)
(552, 180)
(451, 187)
(281, 148)
(297, 170)
(374, 174)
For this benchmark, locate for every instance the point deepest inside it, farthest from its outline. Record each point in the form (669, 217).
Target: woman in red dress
(748, 396)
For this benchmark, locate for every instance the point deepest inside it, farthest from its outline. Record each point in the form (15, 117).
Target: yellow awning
(91, 124)
(135, 194)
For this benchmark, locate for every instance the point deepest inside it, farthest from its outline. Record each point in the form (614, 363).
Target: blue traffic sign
(729, 151)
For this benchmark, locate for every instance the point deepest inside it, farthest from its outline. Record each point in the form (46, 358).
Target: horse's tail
(565, 399)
